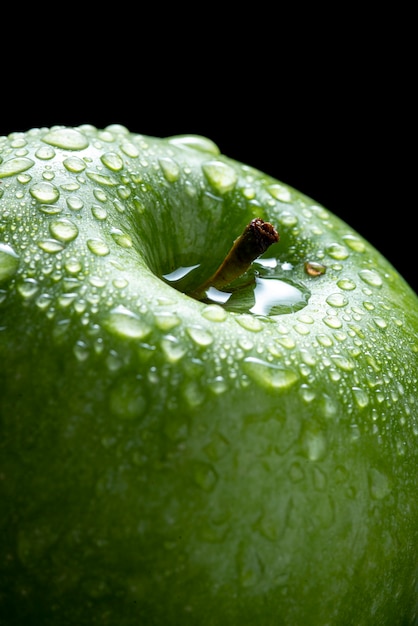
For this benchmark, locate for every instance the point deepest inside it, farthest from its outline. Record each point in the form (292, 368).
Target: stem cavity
(256, 238)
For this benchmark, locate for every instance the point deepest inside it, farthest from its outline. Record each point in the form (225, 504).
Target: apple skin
(165, 461)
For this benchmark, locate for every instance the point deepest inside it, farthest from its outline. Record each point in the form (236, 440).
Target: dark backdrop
(335, 122)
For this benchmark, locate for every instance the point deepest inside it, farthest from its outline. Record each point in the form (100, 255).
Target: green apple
(182, 452)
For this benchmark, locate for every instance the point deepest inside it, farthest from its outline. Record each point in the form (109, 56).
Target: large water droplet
(173, 348)
(66, 138)
(170, 169)
(280, 192)
(195, 142)
(343, 362)
(45, 153)
(74, 164)
(269, 375)
(354, 243)
(28, 288)
(214, 313)
(52, 246)
(221, 177)
(274, 296)
(15, 166)
(75, 203)
(98, 247)
(122, 239)
(45, 192)
(346, 284)
(337, 300)
(166, 320)
(124, 323)
(249, 322)
(361, 397)
(112, 161)
(9, 262)
(63, 229)
(200, 336)
(102, 179)
(99, 212)
(337, 251)
(371, 277)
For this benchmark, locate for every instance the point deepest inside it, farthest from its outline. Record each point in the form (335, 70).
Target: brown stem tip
(256, 238)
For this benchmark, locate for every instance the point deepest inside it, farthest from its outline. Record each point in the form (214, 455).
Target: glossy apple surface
(250, 459)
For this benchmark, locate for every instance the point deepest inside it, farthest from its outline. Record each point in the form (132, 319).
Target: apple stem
(256, 238)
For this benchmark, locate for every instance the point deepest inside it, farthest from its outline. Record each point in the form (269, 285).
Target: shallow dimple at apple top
(317, 339)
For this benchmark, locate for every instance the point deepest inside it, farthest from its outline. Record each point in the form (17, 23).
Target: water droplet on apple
(380, 322)
(280, 192)
(75, 203)
(100, 195)
(45, 153)
(249, 322)
(28, 288)
(122, 239)
(269, 375)
(170, 169)
(173, 349)
(102, 179)
(63, 229)
(343, 363)
(81, 351)
(221, 176)
(98, 247)
(200, 336)
(354, 243)
(361, 397)
(346, 284)
(9, 262)
(193, 394)
(337, 251)
(112, 161)
(73, 266)
(130, 149)
(371, 277)
(99, 212)
(218, 385)
(15, 166)
(307, 393)
(332, 321)
(74, 164)
(337, 300)
(195, 142)
(66, 138)
(313, 268)
(50, 209)
(52, 246)
(214, 313)
(166, 320)
(288, 219)
(124, 323)
(44, 192)
(273, 296)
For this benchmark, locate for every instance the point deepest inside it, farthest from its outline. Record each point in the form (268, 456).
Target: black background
(326, 110)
